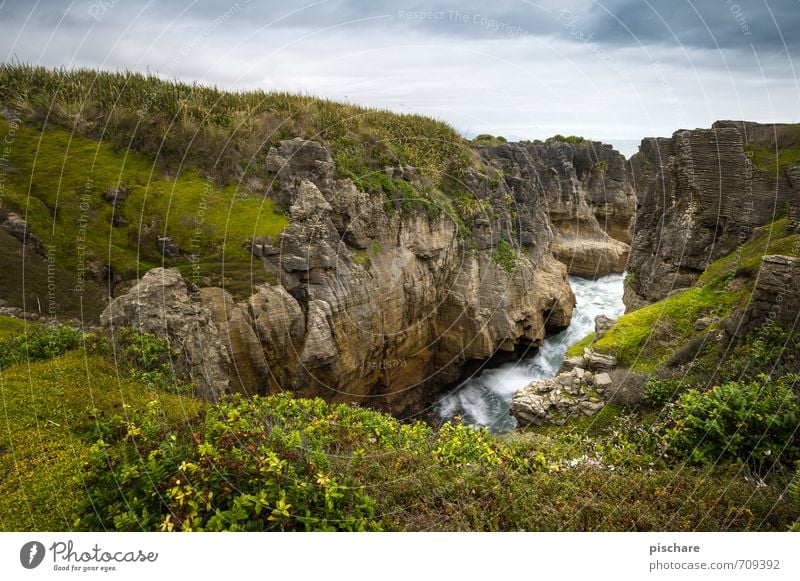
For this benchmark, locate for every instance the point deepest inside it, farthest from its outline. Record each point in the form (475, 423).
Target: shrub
(754, 422)
(147, 359)
(505, 256)
(658, 392)
(794, 496)
(39, 342)
(244, 468)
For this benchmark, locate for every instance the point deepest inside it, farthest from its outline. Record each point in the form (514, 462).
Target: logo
(31, 554)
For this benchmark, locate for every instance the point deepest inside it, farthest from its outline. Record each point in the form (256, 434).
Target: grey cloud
(728, 24)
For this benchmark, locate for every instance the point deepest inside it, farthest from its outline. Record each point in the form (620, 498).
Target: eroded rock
(553, 401)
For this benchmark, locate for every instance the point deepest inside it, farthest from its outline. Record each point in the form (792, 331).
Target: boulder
(164, 304)
(553, 401)
(602, 324)
(598, 361)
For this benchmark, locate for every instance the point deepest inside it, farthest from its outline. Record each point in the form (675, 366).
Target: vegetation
(754, 422)
(574, 139)
(102, 449)
(781, 153)
(491, 140)
(505, 255)
(224, 134)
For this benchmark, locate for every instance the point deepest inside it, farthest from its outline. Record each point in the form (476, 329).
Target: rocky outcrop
(700, 196)
(21, 230)
(163, 303)
(776, 296)
(553, 401)
(588, 199)
(384, 306)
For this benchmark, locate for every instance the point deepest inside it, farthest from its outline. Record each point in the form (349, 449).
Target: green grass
(645, 338)
(223, 133)
(50, 412)
(394, 475)
(770, 160)
(505, 256)
(10, 326)
(59, 180)
(773, 238)
(577, 348)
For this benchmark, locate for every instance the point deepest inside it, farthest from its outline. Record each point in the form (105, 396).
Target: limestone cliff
(372, 303)
(587, 196)
(701, 193)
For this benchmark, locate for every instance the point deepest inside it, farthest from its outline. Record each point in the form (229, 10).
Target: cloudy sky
(616, 69)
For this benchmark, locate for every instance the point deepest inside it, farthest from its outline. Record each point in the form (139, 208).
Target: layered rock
(385, 307)
(589, 199)
(776, 296)
(553, 401)
(700, 196)
(164, 304)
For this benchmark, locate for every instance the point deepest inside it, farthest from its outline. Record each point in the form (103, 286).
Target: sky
(616, 70)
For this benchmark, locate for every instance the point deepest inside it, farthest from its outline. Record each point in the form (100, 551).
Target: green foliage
(601, 166)
(62, 179)
(221, 133)
(52, 410)
(751, 421)
(658, 392)
(39, 342)
(505, 256)
(774, 238)
(275, 463)
(147, 359)
(647, 337)
(487, 139)
(794, 495)
(781, 152)
(771, 350)
(574, 139)
(576, 349)
(244, 469)
(10, 326)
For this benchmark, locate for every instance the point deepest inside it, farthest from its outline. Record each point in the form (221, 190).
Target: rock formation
(588, 196)
(776, 296)
(551, 402)
(701, 195)
(385, 307)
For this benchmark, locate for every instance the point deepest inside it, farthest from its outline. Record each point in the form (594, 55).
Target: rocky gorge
(375, 304)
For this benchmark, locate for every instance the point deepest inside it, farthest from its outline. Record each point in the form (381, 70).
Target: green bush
(658, 392)
(794, 496)
(38, 343)
(244, 468)
(275, 463)
(754, 422)
(505, 256)
(147, 359)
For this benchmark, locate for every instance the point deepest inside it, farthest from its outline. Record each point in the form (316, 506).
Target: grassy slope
(87, 131)
(419, 479)
(47, 430)
(645, 338)
(224, 133)
(59, 179)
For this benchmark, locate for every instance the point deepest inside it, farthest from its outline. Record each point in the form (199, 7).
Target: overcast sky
(615, 69)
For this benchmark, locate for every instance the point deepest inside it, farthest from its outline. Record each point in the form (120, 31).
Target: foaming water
(484, 400)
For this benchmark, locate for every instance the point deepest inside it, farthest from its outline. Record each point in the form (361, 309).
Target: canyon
(374, 304)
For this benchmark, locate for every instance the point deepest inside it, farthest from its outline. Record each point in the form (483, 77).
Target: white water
(484, 400)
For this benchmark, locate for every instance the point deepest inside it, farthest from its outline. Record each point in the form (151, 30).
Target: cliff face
(701, 193)
(374, 304)
(586, 193)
